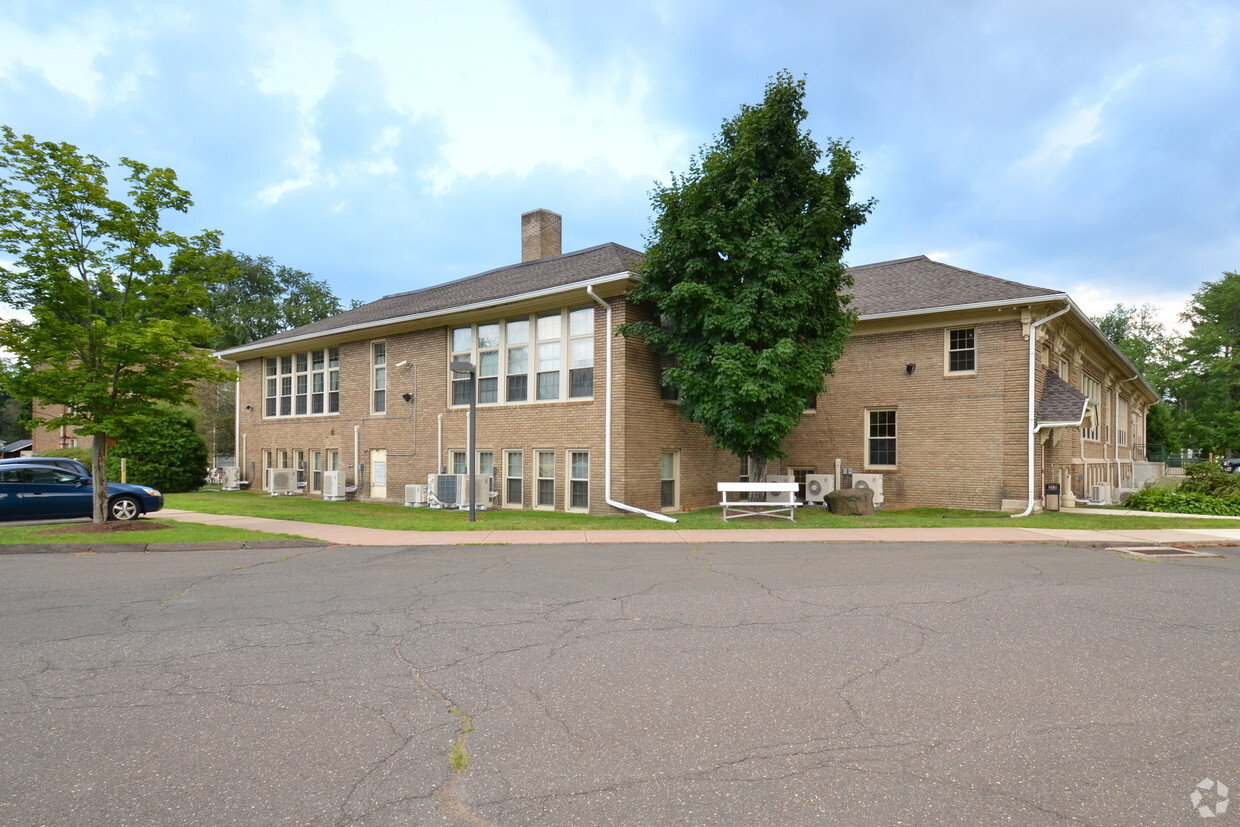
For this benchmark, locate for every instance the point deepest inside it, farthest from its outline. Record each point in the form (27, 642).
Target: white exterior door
(378, 474)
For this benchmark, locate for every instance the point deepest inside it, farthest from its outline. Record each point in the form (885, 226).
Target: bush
(82, 455)
(1184, 502)
(168, 454)
(1210, 479)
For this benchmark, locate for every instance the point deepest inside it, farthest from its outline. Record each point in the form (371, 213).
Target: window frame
(519, 502)
(1093, 434)
(301, 384)
(576, 483)
(674, 480)
(539, 453)
(378, 377)
(870, 437)
(949, 351)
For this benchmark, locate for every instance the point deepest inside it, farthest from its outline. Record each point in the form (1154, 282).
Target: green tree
(115, 331)
(1205, 378)
(1140, 336)
(745, 274)
(168, 454)
(253, 298)
(14, 418)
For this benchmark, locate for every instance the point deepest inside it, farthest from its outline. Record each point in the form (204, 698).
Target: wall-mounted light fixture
(249, 407)
(909, 368)
(402, 363)
(408, 397)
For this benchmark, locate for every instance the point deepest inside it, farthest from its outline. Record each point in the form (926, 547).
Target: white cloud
(496, 93)
(1097, 298)
(64, 56)
(1061, 141)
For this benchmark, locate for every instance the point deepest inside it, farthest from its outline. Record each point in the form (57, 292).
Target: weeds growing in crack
(458, 756)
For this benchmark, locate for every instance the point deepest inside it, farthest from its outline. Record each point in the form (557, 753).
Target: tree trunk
(99, 475)
(757, 473)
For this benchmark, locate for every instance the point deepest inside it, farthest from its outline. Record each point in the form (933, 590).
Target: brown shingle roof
(514, 280)
(904, 285)
(1060, 401)
(921, 284)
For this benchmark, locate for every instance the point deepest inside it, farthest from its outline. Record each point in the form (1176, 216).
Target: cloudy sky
(1090, 146)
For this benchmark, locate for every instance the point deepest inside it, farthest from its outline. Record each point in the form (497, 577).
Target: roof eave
(957, 308)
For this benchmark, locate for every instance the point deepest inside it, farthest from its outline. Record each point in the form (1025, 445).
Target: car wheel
(124, 509)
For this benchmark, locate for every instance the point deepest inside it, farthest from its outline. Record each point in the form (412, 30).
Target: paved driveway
(726, 684)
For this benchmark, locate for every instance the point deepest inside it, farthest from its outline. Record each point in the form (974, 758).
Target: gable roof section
(915, 284)
(1061, 404)
(493, 285)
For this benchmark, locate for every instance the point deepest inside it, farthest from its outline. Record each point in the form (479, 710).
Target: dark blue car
(45, 492)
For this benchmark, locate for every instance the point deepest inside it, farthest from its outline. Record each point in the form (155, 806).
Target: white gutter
(1033, 429)
(414, 317)
(607, 427)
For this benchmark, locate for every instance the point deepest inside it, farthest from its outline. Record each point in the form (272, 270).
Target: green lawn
(390, 516)
(167, 532)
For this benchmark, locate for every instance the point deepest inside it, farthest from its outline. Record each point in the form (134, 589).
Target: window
(333, 459)
(961, 351)
(462, 351)
(1121, 419)
(488, 364)
(316, 470)
(545, 471)
(299, 462)
(668, 479)
(513, 470)
(745, 475)
(457, 463)
(518, 335)
(581, 353)
(579, 479)
(298, 384)
(378, 361)
(881, 439)
(548, 329)
(1092, 388)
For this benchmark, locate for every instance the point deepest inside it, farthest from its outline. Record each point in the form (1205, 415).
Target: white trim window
(1092, 388)
(514, 483)
(462, 351)
(548, 331)
(378, 363)
(880, 440)
(578, 481)
(316, 470)
(1121, 418)
(669, 479)
(517, 333)
(486, 466)
(960, 349)
(302, 384)
(458, 462)
(488, 363)
(581, 353)
(544, 470)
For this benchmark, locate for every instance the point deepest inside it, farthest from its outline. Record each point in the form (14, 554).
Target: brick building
(932, 391)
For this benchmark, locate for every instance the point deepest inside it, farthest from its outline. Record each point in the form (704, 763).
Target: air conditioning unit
(818, 486)
(782, 496)
(447, 490)
(333, 486)
(874, 482)
(232, 475)
(415, 495)
(281, 481)
(482, 492)
(1101, 493)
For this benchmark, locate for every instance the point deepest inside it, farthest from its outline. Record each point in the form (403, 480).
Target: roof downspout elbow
(607, 427)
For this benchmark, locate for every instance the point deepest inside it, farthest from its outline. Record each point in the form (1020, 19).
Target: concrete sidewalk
(349, 535)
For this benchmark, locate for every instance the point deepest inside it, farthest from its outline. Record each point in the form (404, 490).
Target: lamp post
(468, 367)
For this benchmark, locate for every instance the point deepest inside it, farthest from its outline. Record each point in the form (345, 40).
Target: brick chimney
(540, 234)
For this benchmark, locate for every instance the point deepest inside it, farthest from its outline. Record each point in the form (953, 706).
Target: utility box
(1051, 497)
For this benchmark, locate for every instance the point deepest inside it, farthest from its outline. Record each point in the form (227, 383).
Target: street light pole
(468, 367)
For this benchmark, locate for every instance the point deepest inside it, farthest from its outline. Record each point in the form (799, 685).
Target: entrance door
(378, 474)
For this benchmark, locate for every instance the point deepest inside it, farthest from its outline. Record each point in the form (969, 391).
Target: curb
(145, 548)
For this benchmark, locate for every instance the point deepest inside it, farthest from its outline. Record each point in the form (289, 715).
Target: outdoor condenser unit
(415, 495)
(333, 486)
(281, 481)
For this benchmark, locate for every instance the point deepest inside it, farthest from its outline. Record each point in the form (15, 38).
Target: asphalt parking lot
(638, 684)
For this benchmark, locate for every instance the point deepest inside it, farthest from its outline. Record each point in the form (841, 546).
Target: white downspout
(607, 427)
(357, 480)
(237, 458)
(1033, 344)
(439, 448)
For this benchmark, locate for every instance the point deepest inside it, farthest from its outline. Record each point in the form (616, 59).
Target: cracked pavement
(796, 683)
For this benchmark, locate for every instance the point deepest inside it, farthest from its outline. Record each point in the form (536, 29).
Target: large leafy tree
(253, 298)
(114, 330)
(1206, 376)
(745, 272)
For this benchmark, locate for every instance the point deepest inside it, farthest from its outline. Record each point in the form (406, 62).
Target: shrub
(168, 454)
(82, 455)
(1184, 502)
(1208, 478)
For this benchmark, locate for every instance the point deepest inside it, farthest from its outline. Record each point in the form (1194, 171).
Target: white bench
(746, 508)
